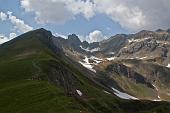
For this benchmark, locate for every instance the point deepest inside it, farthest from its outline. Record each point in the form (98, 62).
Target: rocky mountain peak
(44, 32)
(160, 30)
(73, 39)
(85, 44)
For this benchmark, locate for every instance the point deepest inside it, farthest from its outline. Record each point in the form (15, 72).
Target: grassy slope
(24, 85)
(21, 89)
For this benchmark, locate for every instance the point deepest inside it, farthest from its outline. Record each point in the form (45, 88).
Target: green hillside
(35, 78)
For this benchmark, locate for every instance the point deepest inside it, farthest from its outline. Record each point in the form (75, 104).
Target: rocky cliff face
(113, 44)
(144, 48)
(62, 76)
(129, 73)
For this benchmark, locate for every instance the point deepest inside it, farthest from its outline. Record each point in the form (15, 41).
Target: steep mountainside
(37, 76)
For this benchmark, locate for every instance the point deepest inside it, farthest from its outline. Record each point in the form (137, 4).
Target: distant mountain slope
(37, 77)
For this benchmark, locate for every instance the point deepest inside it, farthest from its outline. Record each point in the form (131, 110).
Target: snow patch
(143, 58)
(138, 40)
(130, 40)
(137, 58)
(123, 95)
(95, 49)
(86, 60)
(159, 98)
(106, 92)
(140, 58)
(86, 64)
(90, 50)
(155, 87)
(111, 58)
(156, 100)
(168, 66)
(97, 60)
(89, 65)
(66, 54)
(112, 53)
(79, 92)
(132, 58)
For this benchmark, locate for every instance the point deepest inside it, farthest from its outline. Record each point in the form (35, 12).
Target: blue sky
(92, 20)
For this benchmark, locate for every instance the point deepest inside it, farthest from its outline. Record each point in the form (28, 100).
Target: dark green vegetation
(35, 77)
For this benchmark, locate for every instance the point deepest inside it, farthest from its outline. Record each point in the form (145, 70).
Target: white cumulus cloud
(86, 8)
(58, 11)
(136, 15)
(4, 38)
(3, 16)
(96, 36)
(48, 11)
(60, 35)
(130, 17)
(12, 35)
(18, 23)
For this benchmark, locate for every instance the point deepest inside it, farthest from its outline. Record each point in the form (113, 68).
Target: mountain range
(42, 73)
(137, 63)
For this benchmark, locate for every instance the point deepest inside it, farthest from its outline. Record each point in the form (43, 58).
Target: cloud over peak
(96, 36)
